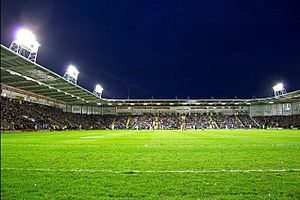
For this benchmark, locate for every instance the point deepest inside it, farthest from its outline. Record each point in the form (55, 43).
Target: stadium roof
(19, 72)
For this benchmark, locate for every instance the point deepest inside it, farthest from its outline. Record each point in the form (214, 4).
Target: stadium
(62, 141)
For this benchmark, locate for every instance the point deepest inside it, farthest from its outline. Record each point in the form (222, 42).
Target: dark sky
(164, 49)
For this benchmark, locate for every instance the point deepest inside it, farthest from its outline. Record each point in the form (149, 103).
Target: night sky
(165, 49)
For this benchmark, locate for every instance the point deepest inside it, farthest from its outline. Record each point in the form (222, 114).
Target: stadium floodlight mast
(25, 44)
(279, 89)
(98, 90)
(71, 74)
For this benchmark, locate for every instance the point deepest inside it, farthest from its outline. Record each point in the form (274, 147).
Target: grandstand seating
(247, 121)
(198, 121)
(228, 122)
(144, 121)
(22, 115)
(120, 122)
(169, 121)
(279, 121)
(19, 115)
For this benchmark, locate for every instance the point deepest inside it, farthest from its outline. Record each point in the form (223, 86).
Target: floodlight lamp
(27, 40)
(24, 35)
(98, 88)
(278, 87)
(72, 72)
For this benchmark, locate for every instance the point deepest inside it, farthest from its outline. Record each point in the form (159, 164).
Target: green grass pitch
(211, 164)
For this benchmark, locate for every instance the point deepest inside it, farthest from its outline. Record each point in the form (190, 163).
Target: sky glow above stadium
(166, 49)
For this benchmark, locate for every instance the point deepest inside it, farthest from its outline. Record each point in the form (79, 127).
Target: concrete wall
(28, 97)
(91, 110)
(139, 110)
(254, 110)
(275, 109)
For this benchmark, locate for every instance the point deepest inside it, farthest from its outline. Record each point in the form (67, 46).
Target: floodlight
(72, 71)
(71, 74)
(98, 90)
(25, 44)
(279, 89)
(25, 36)
(27, 39)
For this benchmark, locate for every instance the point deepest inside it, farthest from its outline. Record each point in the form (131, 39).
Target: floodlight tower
(71, 74)
(98, 90)
(279, 89)
(25, 44)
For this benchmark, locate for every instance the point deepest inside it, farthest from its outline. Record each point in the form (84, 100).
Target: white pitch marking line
(92, 137)
(154, 171)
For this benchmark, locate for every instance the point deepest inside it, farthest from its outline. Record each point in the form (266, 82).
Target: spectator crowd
(22, 115)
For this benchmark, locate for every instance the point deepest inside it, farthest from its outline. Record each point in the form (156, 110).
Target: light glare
(72, 71)
(27, 39)
(278, 87)
(98, 88)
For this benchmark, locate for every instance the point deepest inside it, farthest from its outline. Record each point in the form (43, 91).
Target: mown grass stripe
(156, 171)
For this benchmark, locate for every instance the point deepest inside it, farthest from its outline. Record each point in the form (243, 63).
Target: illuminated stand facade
(279, 89)
(71, 74)
(98, 90)
(25, 44)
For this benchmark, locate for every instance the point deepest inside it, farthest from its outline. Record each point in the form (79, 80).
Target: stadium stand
(121, 122)
(22, 115)
(142, 121)
(169, 121)
(279, 121)
(198, 121)
(248, 122)
(228, 122)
